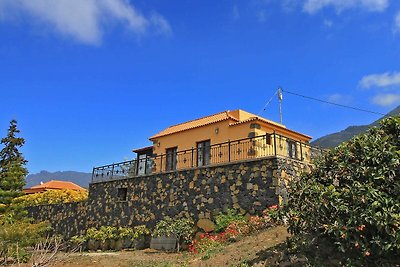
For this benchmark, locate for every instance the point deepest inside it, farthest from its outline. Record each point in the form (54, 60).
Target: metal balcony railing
(232, 151)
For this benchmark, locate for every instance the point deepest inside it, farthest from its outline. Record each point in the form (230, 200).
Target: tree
(12, 165)
(352, 197)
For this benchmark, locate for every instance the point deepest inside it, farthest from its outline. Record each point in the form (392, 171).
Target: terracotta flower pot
(118, 244)
(127, 243)
(93, 244)
(112, 243)
(104, 245)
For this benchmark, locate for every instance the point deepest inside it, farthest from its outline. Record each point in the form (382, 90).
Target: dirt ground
(251, 250)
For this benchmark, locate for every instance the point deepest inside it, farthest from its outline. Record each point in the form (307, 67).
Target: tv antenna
(280, 97)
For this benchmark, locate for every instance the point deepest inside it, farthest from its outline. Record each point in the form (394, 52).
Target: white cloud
(313, 6)
(386, 79)
(160, 24)
(386, 100)
(83, 20)
(397, 23)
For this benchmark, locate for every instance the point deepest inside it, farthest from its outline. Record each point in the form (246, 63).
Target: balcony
(232, 151)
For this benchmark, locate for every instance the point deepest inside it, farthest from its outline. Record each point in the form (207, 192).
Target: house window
(171, 158)
(122, 194)
(255, 126)
(203, 153)
(291, 149)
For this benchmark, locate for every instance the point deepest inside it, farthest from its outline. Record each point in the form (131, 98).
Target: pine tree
(12, 165)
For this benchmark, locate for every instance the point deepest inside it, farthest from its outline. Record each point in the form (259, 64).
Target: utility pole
(280, 103)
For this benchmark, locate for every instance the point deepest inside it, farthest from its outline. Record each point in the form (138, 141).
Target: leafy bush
(78, 239)
(93, 233)
(274, 215)
(140, 231)
(111, 232)
(223, 220)
(108, 233)
(181, 228)
(50, 197)
(207, 242)
(125, 232)
(352, 196)
(16, 234)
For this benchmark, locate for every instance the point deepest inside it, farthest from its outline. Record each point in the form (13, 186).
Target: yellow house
(223, 137)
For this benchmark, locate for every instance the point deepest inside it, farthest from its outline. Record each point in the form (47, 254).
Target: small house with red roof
(53, 185)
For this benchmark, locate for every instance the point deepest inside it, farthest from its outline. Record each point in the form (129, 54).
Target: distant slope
(80, 178)
(335, 139)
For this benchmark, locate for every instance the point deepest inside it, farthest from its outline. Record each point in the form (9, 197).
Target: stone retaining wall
(248, 187)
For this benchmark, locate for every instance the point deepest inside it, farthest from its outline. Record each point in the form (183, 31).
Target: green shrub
(223, 220)
(78, 239)
(125, 232)
(50, 197)
(17, 235)
(181, 228)
(93, 234)
(140, 231)
(352, 196)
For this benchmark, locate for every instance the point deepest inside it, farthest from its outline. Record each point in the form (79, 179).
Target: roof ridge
(205, 120)
(226, 111)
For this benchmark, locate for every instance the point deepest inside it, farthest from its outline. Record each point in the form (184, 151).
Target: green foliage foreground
(49, 197)
(18, 233)
(352, 197)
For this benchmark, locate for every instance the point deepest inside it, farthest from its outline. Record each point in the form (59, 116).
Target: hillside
(257, 249)
(80, 178)
(333, 140)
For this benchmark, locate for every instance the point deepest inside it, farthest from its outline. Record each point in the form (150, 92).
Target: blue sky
(89, 80)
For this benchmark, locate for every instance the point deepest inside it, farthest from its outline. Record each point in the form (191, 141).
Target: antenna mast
(280, 97)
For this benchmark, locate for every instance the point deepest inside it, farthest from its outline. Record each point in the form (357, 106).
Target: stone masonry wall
(247, 187)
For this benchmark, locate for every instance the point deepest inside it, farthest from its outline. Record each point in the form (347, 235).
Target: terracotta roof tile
(261, 119)
(225, 115)
(53, 184)
(270, 122)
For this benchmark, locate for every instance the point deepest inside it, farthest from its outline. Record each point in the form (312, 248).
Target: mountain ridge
(335, 139)
(80, 178)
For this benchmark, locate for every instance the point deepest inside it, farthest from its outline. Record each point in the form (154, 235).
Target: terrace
(268, 145)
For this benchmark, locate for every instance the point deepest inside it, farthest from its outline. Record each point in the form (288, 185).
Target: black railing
(232, 151)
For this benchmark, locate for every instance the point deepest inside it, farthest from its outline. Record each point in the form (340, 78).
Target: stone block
(191, 185)
(234, 199)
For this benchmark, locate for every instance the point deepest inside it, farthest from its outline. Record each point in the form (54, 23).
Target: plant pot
(111, 244)
(118, 244)
(93, 244)
(104, 245)
(126, 243)
(167, 243)
(139, 243)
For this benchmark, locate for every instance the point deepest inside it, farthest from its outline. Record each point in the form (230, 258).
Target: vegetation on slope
(352, 198)
(335, 139)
